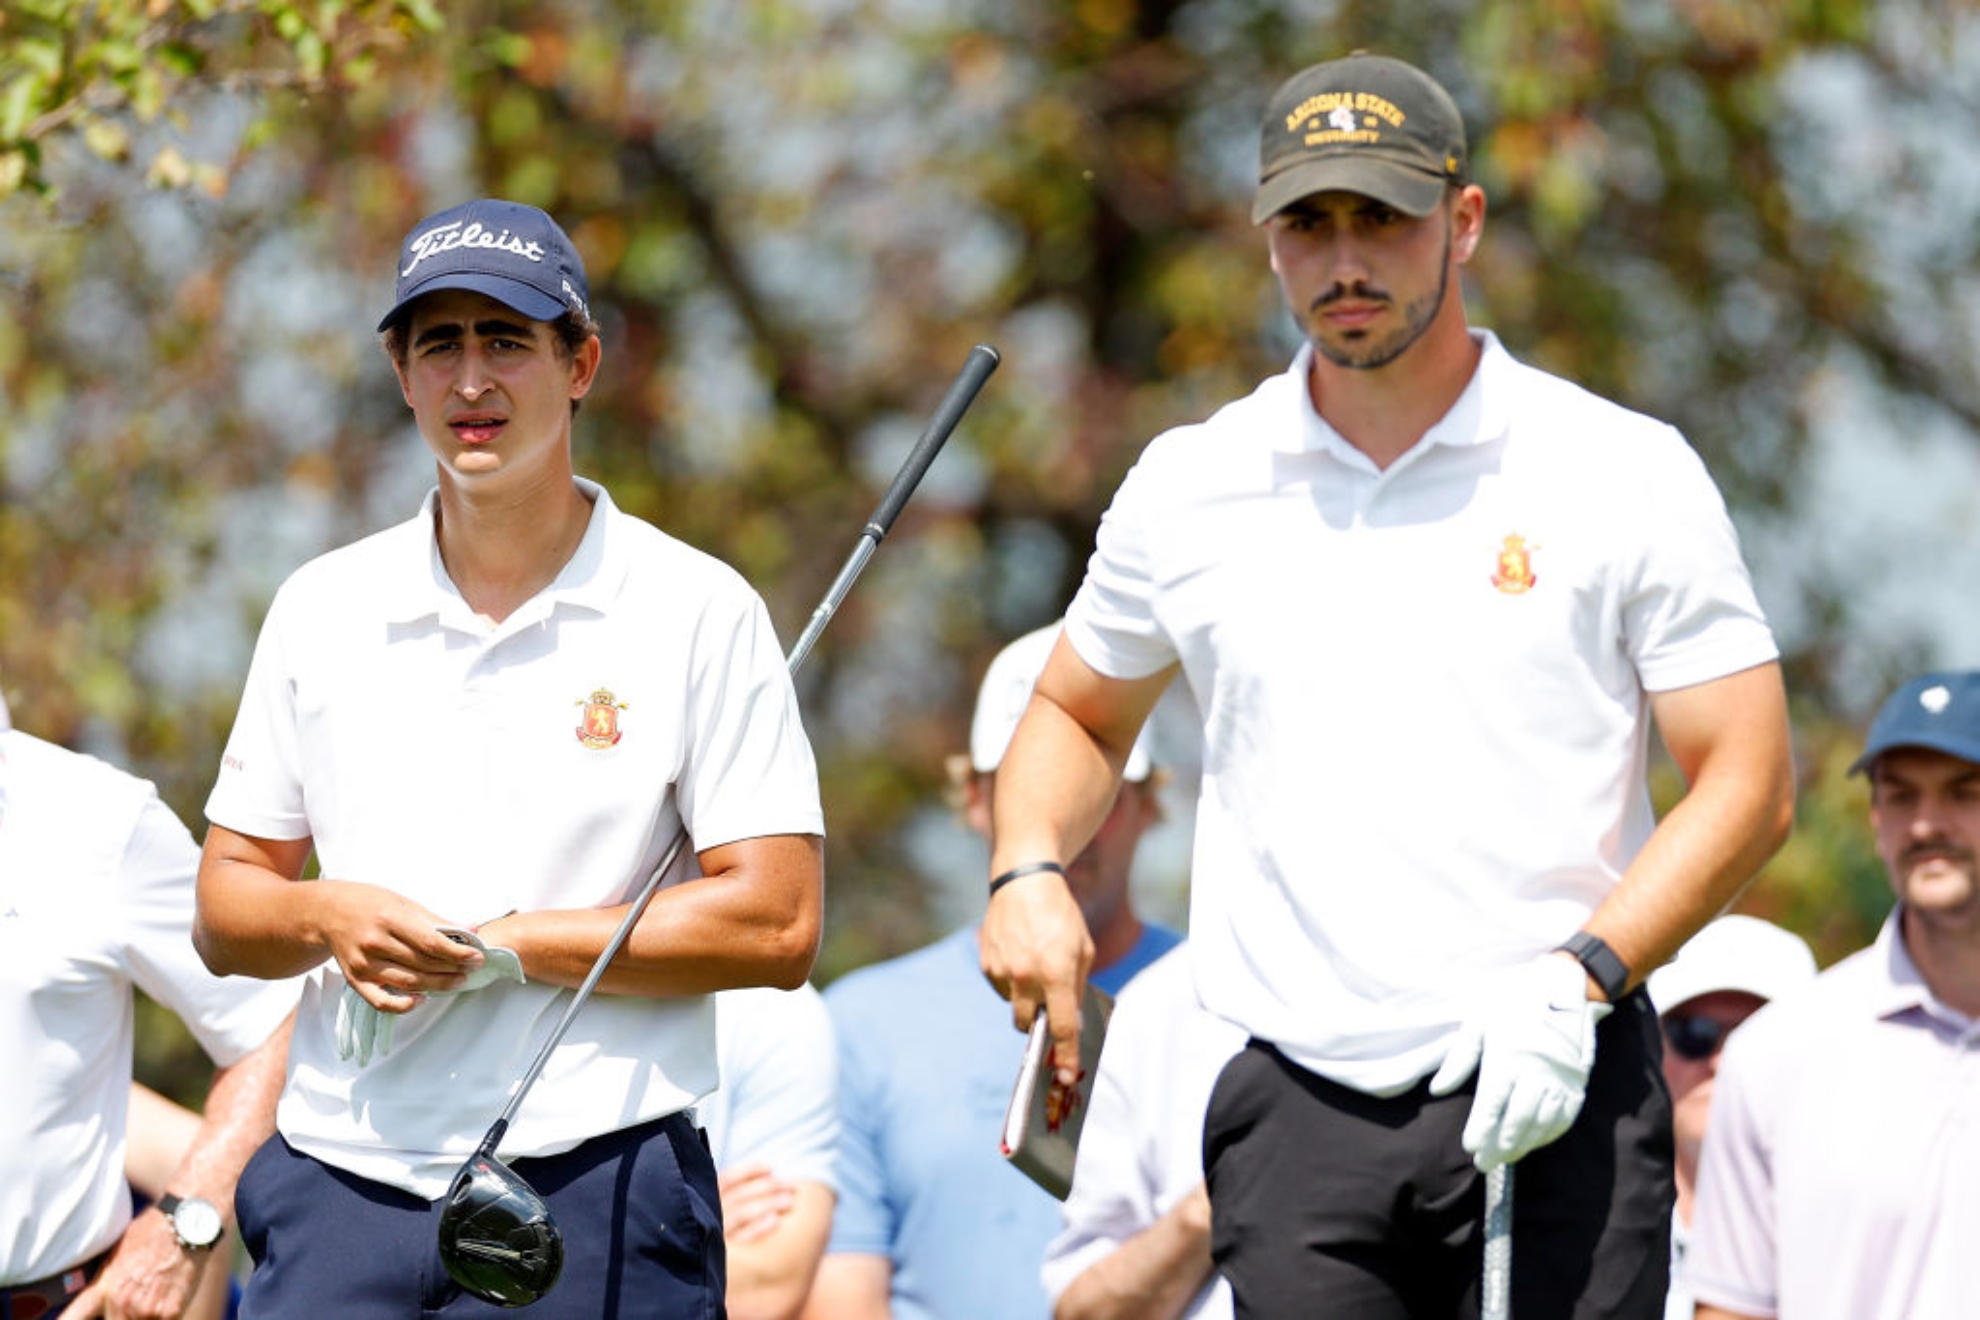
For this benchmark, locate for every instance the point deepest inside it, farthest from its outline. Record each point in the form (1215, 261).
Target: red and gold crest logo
(600, 725)
(1514, 573)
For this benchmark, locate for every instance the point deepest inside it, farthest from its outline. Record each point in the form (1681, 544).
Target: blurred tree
(101, 72)
(798, 214)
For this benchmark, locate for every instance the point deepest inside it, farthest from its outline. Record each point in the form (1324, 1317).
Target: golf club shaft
(975, 371)
(1495, 1289)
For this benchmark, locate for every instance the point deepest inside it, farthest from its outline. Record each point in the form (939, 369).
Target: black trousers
(1329, 1202)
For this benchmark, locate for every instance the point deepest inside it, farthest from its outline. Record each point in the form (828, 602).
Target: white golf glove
(363, 1031)
(1531, 1040)
(497, 963)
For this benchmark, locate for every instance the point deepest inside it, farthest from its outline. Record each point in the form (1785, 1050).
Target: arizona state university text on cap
(1365, 124)
(513, 253)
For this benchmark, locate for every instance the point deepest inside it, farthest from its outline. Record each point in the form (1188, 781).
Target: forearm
(1058, 778)
(1701, 856)
(158, 1133)
(754, 918)
(1054, 787)
(770, 1276)
(1154, 1275)
(149, 1273)
(851, 1286)
(238, 1117)
(1730, 739)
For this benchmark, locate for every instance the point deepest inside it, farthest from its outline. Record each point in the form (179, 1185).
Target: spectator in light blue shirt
(932, 1223)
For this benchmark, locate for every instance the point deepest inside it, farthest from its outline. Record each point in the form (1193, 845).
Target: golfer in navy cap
(490, 720)
(1843, 1167)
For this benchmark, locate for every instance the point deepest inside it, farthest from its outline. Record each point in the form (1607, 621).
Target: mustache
(1919, 852)
(1360, 289)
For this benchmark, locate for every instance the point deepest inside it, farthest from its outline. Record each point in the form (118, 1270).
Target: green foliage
(95, 71)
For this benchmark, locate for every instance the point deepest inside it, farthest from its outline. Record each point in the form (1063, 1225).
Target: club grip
(982, 361)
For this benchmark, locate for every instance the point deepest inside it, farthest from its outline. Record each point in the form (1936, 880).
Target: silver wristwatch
(196, 1223)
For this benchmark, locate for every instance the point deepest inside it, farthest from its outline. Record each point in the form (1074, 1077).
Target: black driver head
(497, 1238)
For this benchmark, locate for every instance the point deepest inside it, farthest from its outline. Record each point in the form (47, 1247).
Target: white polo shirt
(1422, 689)
(541, 763)
(1840, 1178)
(96, 897)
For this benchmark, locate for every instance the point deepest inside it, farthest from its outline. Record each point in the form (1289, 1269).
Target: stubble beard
(1417, 316)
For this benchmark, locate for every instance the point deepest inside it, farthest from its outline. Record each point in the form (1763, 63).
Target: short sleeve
(1112, 621)
(1690, 613)
(780, 1072)
(259, 789)
(229, 1016)
(865, 1221)
(752, 771)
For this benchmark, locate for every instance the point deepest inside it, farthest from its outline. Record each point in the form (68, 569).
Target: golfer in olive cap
(1430, 602)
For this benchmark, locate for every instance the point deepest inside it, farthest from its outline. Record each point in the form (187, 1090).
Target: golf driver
(1495, 1291)
(497, 1237)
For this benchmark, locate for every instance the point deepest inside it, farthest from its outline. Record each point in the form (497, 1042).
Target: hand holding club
(1531, 1041)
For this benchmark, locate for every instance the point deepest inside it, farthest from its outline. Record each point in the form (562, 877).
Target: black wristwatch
(196, 1223)
(1601, 963)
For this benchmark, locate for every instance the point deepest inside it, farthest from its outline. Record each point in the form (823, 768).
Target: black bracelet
(1601, 963)
(1017, 872)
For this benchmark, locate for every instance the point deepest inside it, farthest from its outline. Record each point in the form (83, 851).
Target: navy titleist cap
(1940, 712)
(513, 253)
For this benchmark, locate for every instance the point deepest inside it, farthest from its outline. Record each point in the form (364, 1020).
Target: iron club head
(497, 1238)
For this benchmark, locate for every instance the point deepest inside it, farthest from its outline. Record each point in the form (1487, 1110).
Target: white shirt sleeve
(229, 1016)
(1112, 621)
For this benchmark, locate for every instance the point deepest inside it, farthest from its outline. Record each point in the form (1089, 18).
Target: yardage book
(1041, 1128)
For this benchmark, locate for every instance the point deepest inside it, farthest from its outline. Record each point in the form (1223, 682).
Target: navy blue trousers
(639, 1212)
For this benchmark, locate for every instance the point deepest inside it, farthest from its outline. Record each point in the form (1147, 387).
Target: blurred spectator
(1136, 1240)
(1841, 1179)
(773, 1127)
(96, 903)
(1721, 977)
(932, 1224)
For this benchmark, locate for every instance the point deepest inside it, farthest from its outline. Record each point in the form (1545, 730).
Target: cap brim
(531, 302)
(1682, 989)
(1735, 953)
(1405, 187)
(1965, 749)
